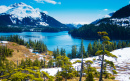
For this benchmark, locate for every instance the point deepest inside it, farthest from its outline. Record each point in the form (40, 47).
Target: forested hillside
(90, 31)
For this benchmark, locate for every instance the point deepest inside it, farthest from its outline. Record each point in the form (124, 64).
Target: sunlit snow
(122, 64)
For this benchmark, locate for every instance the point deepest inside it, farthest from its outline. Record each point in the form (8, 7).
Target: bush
(90, 77)
(77, 61)
(38, 79)
(51, 78)
(59, 78)
(112, 77)
(4, 80)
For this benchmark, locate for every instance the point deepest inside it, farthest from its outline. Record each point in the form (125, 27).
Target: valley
(54, 40)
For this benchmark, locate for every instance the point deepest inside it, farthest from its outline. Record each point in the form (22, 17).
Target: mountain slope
(74, 25)
(121, 18)
(21, 14)
(117, 26)
(105, 17)
(123, 12)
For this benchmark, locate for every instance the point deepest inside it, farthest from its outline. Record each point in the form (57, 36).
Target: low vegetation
(28, 68)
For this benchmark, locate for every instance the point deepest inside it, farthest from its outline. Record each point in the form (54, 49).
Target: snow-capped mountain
(23, 14)
(21, 10)
(74, 25)
(121, 18)
(109, 15)
(106, 16)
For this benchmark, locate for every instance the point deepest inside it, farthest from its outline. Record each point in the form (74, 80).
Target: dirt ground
(21, 52)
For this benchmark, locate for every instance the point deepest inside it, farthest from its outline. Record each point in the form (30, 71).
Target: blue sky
(73, 11)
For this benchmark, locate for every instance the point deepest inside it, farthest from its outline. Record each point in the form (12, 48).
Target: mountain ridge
(21, 14)
(121, 18)
(117, 28)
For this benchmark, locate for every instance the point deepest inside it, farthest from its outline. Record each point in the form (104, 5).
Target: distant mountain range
(116, 24)
(23, 15)
(106, 16)
(74, 25)
(121, 18)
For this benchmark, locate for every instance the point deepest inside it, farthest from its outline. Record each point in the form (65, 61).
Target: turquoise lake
(53, 40)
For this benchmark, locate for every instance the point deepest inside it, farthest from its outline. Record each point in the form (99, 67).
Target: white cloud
(45, 12)
(50, 1)
(105, 9)
(47, 1)
(59, 3)
(39, 1)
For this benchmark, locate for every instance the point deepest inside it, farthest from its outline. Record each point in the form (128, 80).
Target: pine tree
(50, 63)
(61, 51)
(41, 63)
(123, 44)
(89, 49)
(95, 48)
(64, 52)
(74, 51)
(30, 62)
(115, 45)
(104, 52)
(36, 63)
(90, 77)
(81, 53)
(119, 45)
(81, 49)
(54, 53)
(57, 52)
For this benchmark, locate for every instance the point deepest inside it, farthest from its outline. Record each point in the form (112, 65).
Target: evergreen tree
(89, 49)
(50, 63)
(115, 45)
(54, 53)
(41, 63)
(23, 64)
(123, 44)
(57, 52)
(81, 53)
(74, 51)
(119, 45)
(90, 77)
(95, 48)
(30, 63)
(81, 50)
(36, 63)
(62, 51)
(104, 52)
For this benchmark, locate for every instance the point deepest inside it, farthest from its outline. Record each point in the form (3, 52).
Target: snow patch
(51, 71)
(122, 63)
(44, 24)
(21, 10)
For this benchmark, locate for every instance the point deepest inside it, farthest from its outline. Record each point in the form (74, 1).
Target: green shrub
(112, 77)
(37, 79)
(90, 77)
(59, 78)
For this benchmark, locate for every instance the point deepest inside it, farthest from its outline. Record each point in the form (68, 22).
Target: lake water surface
(53, 40)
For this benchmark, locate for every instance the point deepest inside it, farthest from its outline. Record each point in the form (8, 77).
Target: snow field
(122, 64)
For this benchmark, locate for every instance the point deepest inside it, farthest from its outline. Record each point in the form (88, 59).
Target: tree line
(93, 48)
(9, 29)
(35, 45)
(90, 31)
